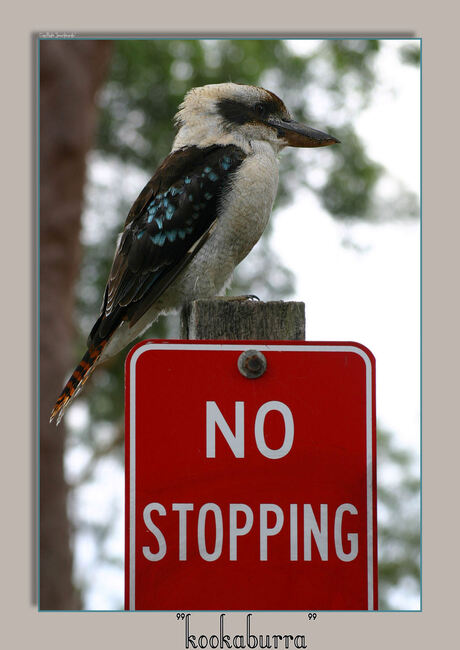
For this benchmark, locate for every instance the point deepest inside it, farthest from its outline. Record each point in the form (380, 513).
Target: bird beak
(299, 135)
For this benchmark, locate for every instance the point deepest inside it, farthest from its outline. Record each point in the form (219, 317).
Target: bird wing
(166, 226)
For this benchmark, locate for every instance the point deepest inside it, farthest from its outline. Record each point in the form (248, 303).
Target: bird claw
(249, 296)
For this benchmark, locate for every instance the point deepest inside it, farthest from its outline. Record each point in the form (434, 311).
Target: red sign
(250, 493)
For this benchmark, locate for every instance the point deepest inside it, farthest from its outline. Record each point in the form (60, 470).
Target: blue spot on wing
(225, 163)
(159, 238)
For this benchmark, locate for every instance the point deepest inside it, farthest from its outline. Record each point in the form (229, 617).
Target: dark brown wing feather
(166, 226)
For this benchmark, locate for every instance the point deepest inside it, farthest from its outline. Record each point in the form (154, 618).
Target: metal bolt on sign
(252, 364)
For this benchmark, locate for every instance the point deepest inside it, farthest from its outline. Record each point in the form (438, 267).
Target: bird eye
(260, 109)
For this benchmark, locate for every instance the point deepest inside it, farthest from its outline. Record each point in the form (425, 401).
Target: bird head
(232, 113)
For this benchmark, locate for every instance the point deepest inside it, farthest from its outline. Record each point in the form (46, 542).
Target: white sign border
(340, 347)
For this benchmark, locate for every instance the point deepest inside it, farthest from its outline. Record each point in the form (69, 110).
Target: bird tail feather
(77, 380)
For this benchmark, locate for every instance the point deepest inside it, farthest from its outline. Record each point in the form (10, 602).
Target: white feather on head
(200, 123)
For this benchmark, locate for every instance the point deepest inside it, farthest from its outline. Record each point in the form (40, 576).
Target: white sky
(372, 297)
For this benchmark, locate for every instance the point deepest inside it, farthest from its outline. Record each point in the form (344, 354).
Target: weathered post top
(235, 319)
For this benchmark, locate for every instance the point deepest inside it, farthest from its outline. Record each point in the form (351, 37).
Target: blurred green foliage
(325, 87)
(411, 54)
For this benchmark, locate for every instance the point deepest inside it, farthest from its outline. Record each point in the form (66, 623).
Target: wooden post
(230, 319)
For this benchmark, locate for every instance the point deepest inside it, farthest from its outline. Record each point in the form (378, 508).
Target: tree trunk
(71, 72)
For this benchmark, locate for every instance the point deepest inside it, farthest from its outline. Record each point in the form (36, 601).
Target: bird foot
(249, 296)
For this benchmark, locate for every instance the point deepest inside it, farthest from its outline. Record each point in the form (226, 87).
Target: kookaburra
(201, 213)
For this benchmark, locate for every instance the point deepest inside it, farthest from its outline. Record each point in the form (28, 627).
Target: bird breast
(244, 211)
